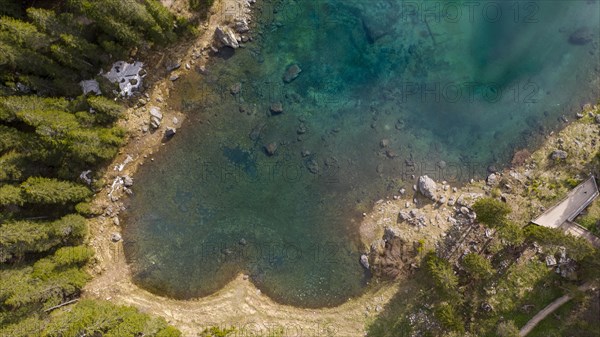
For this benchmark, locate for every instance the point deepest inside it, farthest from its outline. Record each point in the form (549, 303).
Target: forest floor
(240, 304)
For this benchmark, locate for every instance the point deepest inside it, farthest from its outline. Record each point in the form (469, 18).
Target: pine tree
(52, 191)
(163, 18)
(491, 212)
(11, 105)
(12, 166)
(21, 237)
(478, 267)
(48, 282)
(442, 275)
(23, 34)
(11, 195)
(99, 317)
(105, 107)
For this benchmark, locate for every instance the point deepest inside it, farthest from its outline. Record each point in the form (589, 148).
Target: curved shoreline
(240, 303)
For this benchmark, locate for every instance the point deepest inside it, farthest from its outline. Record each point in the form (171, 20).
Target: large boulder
(241, 25)
(427, 187)
(390, 233)
(155, 117)
(378, 23)
(226, 37)
(558, 155)
(364, 260)
(492, 179)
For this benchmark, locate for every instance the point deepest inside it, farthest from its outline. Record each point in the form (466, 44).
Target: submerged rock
(257, 131)
(581, 36)
(276, 108)
(313, 166)
(291, 73)
(301, 129)
(377, 25)
(235, 88)
(271, 148)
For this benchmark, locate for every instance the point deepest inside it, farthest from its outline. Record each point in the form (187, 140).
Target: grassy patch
(551, 326)
(578, 317)
(531, 285)
(591, 218)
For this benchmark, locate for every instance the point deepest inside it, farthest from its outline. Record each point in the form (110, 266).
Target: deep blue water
(453, 87)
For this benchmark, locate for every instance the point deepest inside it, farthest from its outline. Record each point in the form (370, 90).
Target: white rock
(427, 186)
(115, 237)
(364, 260)
(226, 37)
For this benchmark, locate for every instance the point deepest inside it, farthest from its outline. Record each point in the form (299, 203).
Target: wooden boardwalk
(569, 208)
(563, 213)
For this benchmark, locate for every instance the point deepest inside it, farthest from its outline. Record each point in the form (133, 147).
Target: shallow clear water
(451, 93)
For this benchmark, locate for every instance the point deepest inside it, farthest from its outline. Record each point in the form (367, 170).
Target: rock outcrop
(559, 155)
(225, 36)
(427, 187)
(155, 117)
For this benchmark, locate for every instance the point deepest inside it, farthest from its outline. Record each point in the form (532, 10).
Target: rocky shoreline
(429, 216)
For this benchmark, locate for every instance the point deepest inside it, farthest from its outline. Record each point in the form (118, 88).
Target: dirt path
(550, 308)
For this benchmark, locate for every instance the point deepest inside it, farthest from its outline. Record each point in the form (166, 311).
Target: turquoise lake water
(451, 87)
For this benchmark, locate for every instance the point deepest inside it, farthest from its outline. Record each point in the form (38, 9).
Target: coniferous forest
(49, 134)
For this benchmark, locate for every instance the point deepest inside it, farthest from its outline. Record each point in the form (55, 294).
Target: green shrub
(442, 275)
(572, 182)
(477, 266)
(491, 212)
(449, 318)
(511, 233)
